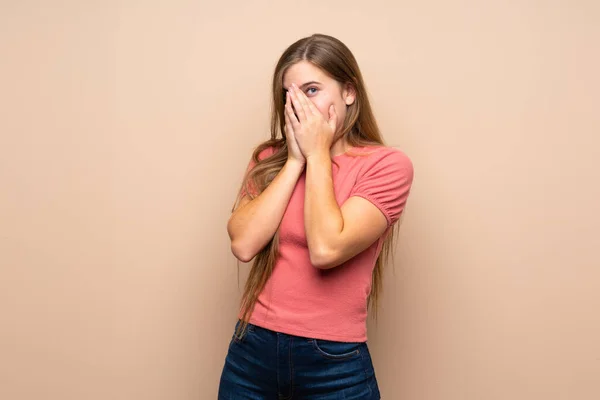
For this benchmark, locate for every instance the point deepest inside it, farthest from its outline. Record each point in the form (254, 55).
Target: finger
(297, 104)
(288, 126)
(288, 122)
(313, 108)
(302, 99)
(289, 113)
(308, 105)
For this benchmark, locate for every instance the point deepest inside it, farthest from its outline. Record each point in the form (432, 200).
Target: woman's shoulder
(268, 151)
(262, 152)
(381, 155)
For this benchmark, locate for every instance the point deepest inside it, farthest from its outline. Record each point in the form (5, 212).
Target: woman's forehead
(303, 72)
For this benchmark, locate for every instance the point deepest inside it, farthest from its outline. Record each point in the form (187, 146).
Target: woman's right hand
(294, 153)
(254, 223)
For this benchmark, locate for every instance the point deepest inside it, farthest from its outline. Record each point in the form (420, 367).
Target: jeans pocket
(336, 350)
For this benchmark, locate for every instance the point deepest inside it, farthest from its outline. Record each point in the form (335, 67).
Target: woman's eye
(311, 90)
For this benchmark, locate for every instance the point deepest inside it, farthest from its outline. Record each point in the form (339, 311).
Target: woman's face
(320, 88)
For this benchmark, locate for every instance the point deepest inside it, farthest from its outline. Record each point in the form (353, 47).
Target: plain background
(125, 129)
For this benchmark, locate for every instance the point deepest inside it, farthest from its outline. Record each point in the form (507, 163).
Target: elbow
(241, 252)
(323, 258)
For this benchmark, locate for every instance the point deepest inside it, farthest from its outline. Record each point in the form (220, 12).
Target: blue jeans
(270, 365)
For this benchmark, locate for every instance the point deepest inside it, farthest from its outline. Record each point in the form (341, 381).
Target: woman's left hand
(313, 132)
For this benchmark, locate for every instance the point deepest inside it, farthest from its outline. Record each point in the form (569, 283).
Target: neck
(339, 147)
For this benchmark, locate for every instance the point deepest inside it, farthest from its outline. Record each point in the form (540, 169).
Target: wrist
(295, 164)
(318, 157)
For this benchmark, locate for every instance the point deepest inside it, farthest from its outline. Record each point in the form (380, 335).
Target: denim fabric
(269, 365)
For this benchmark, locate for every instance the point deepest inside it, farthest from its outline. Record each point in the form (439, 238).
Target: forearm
(254, 224)
(323, 219)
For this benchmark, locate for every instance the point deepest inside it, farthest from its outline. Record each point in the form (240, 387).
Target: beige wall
(124, 130)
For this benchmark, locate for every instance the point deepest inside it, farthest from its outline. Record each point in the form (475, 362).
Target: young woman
(315, 212)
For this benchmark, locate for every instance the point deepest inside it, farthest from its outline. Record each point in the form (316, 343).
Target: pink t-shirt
(302, 300)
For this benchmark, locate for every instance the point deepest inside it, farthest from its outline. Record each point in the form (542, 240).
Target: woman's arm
(335, 234)
(254, 223)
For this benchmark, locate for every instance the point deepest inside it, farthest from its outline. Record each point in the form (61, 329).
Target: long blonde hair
(359, 128)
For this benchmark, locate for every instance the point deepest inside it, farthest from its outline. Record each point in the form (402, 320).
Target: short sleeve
(386, 180)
